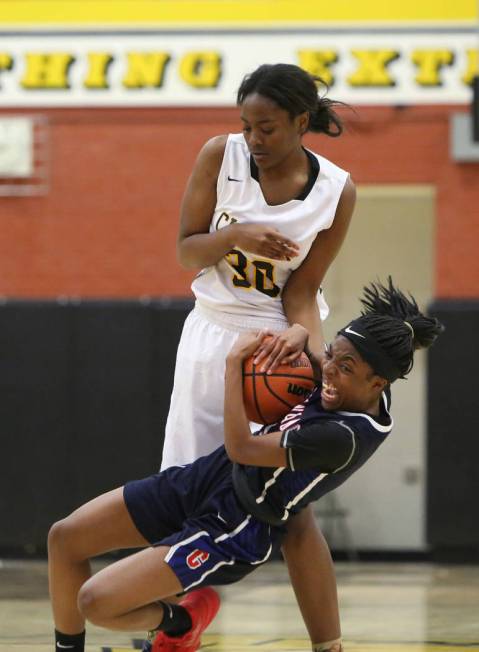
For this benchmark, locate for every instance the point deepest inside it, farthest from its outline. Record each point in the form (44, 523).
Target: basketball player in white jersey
(263, 218)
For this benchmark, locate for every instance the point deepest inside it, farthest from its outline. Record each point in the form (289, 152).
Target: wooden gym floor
(385, 608)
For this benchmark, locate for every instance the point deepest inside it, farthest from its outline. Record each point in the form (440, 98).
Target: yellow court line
(232, 643)
(231, 12)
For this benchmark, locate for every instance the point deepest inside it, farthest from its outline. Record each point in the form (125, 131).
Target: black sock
(176, 620)
(71, 642)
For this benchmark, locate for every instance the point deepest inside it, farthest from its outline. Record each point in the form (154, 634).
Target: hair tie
(410, 328)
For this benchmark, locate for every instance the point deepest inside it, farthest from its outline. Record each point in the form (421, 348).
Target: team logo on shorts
(196, 558)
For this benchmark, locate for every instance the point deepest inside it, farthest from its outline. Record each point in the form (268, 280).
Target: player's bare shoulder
(349, 191)
(215, 146)
(211, 155)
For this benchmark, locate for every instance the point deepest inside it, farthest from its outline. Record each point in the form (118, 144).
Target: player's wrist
(232, 234)
(300, 331)
(234, 360)
(316, 361)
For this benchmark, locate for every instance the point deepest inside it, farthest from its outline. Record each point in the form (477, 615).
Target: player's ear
(378, 383)
(303, 122)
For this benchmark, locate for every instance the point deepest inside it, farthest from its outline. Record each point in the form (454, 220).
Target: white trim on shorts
(222, 537)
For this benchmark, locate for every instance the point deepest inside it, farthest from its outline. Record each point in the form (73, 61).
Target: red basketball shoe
(202, 606)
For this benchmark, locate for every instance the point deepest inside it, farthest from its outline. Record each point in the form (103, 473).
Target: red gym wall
(107, 227)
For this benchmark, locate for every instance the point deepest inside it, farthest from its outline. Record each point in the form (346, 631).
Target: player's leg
(195, 419)
(99, 526)
(195, 424)
(312, 574)
(125, 595)
(213, 550)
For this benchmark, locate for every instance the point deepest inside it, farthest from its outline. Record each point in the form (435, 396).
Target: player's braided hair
(396, 323)
(295, 91)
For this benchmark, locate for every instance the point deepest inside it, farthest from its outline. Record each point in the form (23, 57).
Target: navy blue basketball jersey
(323, 449)
(216, 517)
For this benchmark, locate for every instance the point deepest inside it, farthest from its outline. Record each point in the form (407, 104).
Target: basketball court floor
(384, 607)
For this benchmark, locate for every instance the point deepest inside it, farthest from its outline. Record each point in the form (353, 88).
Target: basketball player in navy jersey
(214, 521)
(262, 217)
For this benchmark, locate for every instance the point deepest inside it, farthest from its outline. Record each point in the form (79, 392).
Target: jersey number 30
(261, 277)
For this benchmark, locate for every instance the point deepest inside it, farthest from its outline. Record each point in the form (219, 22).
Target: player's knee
(65, 540)
(301, 524)
(59, 536)
(91, 605)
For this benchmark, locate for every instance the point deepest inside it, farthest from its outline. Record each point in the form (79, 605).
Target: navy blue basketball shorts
(194, 511)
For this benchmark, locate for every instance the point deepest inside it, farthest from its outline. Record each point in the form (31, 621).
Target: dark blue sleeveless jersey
(323, 449)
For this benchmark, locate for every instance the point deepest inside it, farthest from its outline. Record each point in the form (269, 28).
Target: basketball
(269, 397)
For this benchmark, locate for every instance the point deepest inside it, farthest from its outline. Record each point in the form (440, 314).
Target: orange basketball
(269, 397)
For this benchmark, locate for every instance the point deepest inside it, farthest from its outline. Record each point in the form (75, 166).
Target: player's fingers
(275, 254)
(284, 249)
(291, 357)
(273, 242)
(259, 355)
(269, 250)
(264, 349)
(287, 353)
(262, 335)
(278, 250)
(274, 357)
(284, 241)
(266, 355)
(272, 363)
(290, 247)
(268, 336)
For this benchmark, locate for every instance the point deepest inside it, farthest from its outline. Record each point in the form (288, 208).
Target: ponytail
(391, 328)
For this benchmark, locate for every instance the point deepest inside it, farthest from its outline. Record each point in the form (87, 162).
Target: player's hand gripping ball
(269, 397)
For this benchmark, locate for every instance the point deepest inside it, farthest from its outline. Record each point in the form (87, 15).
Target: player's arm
(326, 446)
(300, 293)
(241, 446)
(196, 246)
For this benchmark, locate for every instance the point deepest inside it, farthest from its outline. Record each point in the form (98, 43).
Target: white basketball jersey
(242, 282)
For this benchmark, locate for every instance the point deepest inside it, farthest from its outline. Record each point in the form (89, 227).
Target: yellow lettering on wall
(372, 69)
(430, 63)
(6, 61)
(201, 69)
(47, 71)
(472, 68)
(98, 64)
(317, 63)
(145, 69)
